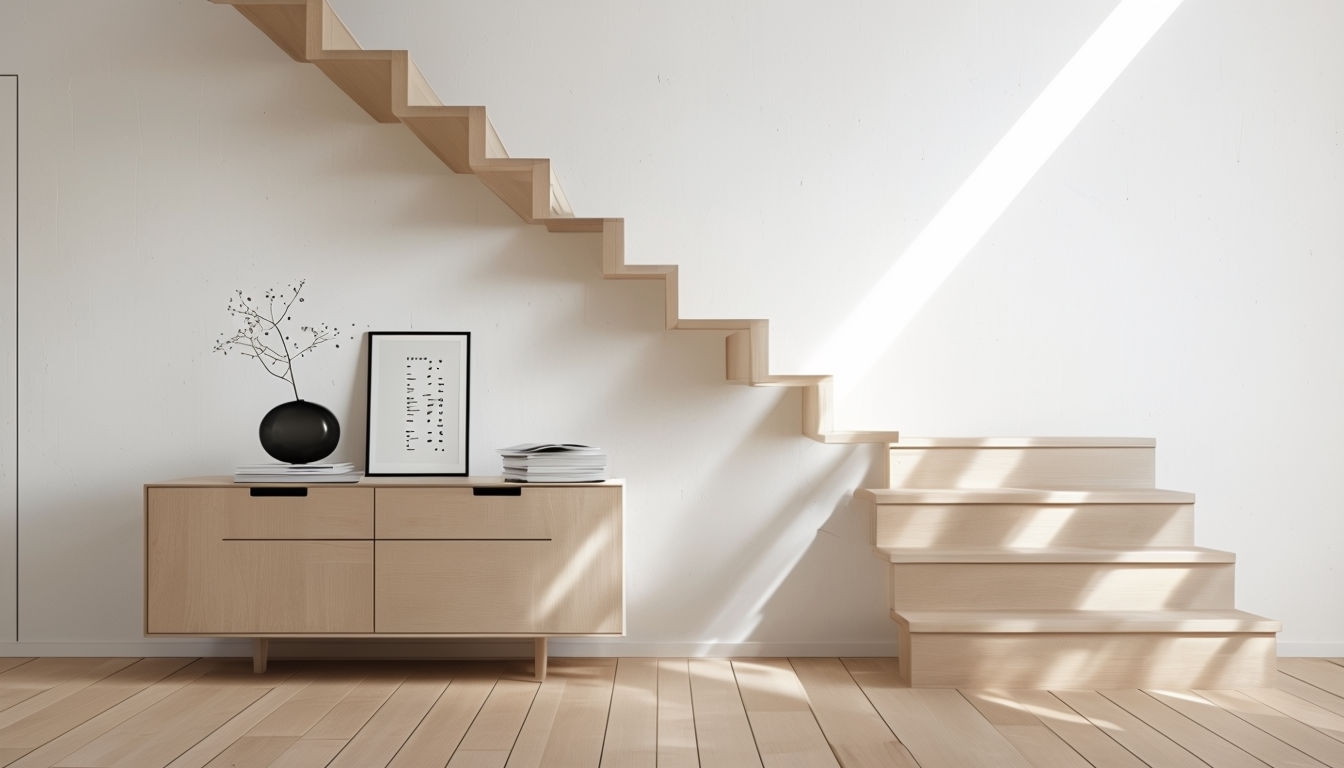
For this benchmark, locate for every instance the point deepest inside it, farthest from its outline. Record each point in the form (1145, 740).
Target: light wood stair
(389, 86)
(1055, 563)
(1042, 562)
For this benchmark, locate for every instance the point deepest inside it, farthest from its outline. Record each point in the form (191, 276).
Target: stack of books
(554, 463)
(343, 472)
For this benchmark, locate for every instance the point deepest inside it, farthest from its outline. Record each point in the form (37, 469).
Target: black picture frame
(419, 398)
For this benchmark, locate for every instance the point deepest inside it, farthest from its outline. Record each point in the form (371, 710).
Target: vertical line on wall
(17, 123)
(16, 356)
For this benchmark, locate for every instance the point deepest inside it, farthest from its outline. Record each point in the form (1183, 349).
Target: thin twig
(251, 339)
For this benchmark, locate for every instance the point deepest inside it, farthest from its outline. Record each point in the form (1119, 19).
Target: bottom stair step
(1086, 649)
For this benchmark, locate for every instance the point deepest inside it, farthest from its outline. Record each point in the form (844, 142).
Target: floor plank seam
(513, 744)
(1201, 726)
(813, 711)
(751, 728)
(78, 713)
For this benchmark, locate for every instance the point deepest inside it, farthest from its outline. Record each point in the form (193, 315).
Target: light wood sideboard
(384, 557)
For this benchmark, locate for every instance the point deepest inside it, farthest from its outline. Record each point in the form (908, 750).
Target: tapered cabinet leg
(260, 647)
(539, 659)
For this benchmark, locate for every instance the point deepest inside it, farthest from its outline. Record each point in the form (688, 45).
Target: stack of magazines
(554, 463)
(343, 472)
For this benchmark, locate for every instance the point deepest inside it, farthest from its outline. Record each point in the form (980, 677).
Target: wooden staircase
(1055, 563)
(1027, 563)
(389, 86)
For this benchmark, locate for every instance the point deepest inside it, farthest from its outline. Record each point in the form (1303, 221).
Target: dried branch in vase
(268, 335)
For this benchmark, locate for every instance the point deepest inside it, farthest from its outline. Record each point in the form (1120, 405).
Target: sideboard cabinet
(385, 557)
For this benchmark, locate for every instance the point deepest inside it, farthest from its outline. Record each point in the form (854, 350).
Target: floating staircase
(1055, 563)
(1022, 563)
(389, 86)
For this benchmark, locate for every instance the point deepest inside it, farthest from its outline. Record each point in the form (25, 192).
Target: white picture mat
(418, 396)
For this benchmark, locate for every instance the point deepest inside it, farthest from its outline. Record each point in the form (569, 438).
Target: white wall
(1170, 271)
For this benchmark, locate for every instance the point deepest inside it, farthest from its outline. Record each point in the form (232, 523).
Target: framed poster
(419, 386)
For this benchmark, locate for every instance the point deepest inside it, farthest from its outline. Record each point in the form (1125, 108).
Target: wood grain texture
(455, 513)
(1320, 673)
(440, 732)
(799, 712)
(1086, 660)
(1055, 563)
(218, 561)
(1250, 739)
(207, 586)
(1089, 741)
(633, 722)
(1028, 735)
(957, 526)
(551, 564)
(29, 729)
(939, 727)
(677, 744)
(53, 751)
(221, 561)
(577, 732)
(231, 513)
(230, 743)
(723, 733)
(1099, 465)
(1270, 720)
(177, 722)
(786, 732)
(389, 728)
(1061, 586)
(1194, 738)
(491, 736)
(857, 733)
(1149, 746)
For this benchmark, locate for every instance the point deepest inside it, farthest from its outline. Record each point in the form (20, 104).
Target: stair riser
(952, 526)
(1087, 660)
(449, 140)
(1038, 467)
(1061, 586)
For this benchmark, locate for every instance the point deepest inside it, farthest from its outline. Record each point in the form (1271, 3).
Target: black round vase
(298, 432)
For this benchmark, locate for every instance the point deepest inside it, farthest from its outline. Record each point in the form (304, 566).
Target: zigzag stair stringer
(388, 85)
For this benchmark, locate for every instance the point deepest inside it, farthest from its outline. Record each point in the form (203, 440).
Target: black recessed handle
(515, 491)
(279, 491)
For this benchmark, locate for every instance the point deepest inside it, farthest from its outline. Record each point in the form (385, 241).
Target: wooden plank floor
(611, 713)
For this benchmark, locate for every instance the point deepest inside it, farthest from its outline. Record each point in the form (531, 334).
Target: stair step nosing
(899, 496)
(1024, 442)
(1001, 555)
(1084, 622)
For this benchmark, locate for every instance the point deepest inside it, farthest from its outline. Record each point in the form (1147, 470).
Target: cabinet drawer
(262, 587)
(234, 513)
(457, 513)
(499, 587)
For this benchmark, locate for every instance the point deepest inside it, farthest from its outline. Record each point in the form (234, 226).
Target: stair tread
(1056, 555)
(1025, 442)
(1027, 496)
(1047, 621)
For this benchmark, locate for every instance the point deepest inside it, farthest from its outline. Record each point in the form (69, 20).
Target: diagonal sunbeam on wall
(901, 293)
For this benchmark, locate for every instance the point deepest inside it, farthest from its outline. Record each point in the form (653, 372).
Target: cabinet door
(548, 561)
(220, 561)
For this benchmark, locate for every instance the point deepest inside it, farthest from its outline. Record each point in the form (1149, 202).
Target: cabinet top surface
(222, 481)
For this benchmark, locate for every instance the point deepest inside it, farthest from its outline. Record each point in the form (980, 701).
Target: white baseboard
(508, 649)
(451, 649)
(162, 648)
(1318, 650)
(604, 647)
